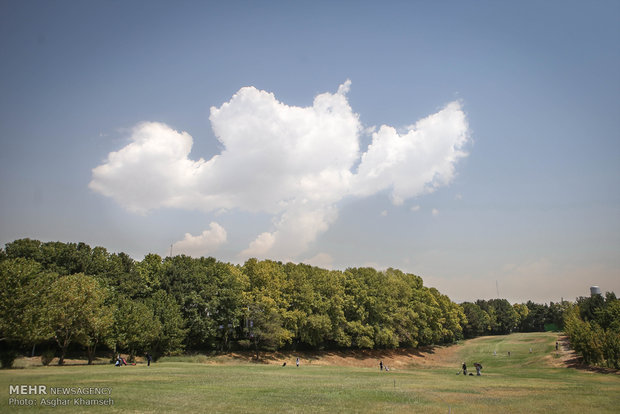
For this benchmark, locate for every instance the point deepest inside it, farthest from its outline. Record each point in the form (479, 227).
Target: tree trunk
(91, 349)
(256, 347)
(63, 349)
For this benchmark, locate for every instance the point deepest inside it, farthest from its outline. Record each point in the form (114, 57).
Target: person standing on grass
(297, 362)
(148, 359)
(464, 369)
(380, 365)
(478, 368)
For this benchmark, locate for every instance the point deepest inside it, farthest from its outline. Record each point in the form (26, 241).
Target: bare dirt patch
(397, 358)
(566, 357)
(27, 362)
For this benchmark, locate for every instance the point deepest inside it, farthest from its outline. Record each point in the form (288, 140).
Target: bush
(47, 357)
(7, 358)
(244, 343)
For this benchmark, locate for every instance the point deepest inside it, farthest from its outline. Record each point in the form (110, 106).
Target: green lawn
(522, 383)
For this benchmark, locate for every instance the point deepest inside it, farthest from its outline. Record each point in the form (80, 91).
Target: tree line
(62, 296)
(68, 294)
(593, 327)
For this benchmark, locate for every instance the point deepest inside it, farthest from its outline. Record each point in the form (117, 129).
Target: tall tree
(76, 311)
(23, 284)
(173, 331)
(478, 321)
(136, 328)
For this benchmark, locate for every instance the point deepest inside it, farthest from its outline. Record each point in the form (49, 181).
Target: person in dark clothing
(478, 368)
(380, 365)
(148, 359)
(464, 369)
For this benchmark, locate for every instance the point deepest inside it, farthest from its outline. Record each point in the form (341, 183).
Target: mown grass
(521, 383)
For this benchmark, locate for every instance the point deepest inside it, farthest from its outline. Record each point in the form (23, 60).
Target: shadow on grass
(30, 362)
(576, 362)
(367, 356)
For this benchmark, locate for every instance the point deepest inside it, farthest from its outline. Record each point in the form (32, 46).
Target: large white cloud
(202, 245)
(291, 162)
(152, 171)
(418, 161)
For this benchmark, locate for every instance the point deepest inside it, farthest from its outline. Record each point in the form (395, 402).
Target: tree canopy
(71, 293)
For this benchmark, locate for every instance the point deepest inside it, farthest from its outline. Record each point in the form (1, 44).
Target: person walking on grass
(464, 369)
(148, 359)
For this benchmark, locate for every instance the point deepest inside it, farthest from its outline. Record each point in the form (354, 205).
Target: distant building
(595, 290)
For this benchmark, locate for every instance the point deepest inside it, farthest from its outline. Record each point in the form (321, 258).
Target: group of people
(477, 365)
(120, 361)
(296, 363)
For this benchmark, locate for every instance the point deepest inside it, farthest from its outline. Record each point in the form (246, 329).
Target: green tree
(608, 316)
(588, 306)
(522, 311)
(22, 287)
(478, 321)
(268, 304)
(98, 330)
(25, 249)
(76, 311)
(358, 302)
(535, 319)
(611, 348)
(23, 284)
(146, 275)
(504, 318)
(65, 258)
(265, 325)
(173, 331)
(136, 329)
(314, 313)
(584, 337)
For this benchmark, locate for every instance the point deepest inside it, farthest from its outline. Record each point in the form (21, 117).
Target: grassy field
(525, 382)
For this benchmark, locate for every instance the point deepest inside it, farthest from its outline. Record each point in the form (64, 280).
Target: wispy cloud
(323, 260)
(294, 163)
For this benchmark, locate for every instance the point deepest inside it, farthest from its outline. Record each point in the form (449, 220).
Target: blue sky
(507, 111)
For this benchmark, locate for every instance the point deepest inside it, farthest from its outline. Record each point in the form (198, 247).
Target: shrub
(47, 357)
(7, 358)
